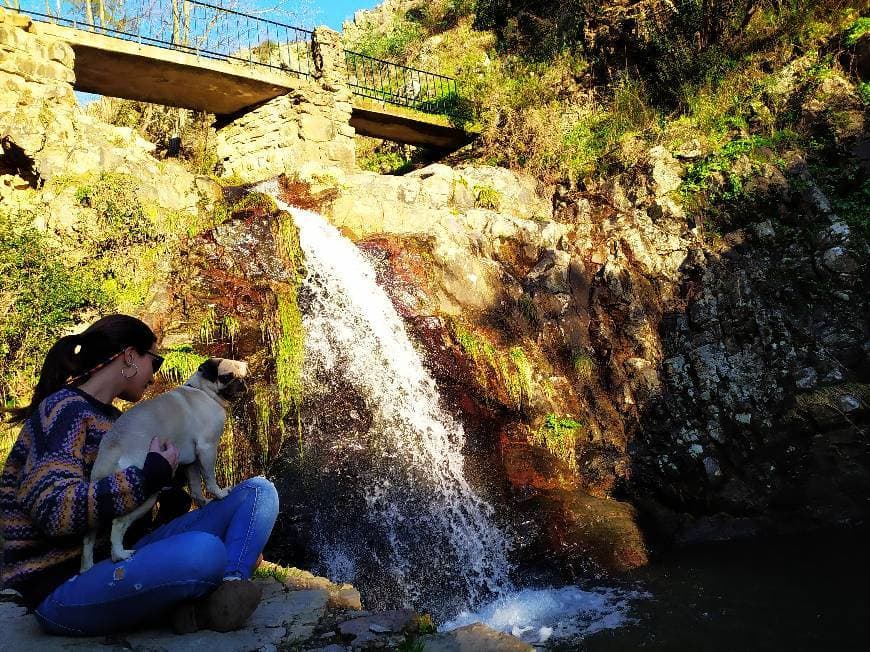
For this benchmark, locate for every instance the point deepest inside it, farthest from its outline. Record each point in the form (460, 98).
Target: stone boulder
(665, 171)
(835, 105)
(474, 638)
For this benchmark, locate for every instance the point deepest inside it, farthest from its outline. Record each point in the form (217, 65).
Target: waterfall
(409, 526)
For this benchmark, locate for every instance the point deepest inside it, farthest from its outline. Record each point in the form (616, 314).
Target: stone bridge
(268, 119)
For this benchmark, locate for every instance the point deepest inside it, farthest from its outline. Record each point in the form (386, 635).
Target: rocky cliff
(626, 373)
(602, 345)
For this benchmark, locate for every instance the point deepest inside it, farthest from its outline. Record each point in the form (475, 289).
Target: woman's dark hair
(75, 356)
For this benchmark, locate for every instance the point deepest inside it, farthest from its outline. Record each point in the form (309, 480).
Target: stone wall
(309, 124)
(36, 98)
(45, 133)
(42, 125)
(49, 146)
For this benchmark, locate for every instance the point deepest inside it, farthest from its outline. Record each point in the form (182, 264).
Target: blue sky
(334, 12)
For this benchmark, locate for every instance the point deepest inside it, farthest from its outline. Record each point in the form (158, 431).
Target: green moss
(263, 398)
(487, 197)
(274, 571)
(227, 466)
(289, 351)
(257, 201)
(558, 434)
(830, 396)
(177, 224)
(208, 326)
(230, 180)
(230, 328)
(180, 363)
(288, 343)
(519, 379)
(512, 370)
(856, 30)
(584, 366)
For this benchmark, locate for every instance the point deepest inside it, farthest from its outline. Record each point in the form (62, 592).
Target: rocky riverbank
(298, 611)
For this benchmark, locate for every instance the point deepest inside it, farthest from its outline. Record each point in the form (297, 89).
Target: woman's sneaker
(225, 609)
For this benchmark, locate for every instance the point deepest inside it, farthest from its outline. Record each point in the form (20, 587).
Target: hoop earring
(135, 371)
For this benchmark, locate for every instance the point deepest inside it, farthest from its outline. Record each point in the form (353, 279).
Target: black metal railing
(187, 25)
(388, 82)
(221, 33)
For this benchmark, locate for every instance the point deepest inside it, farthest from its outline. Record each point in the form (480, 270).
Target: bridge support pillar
(310, 123)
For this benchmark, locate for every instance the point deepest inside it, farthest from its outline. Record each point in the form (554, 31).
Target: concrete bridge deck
(121, 68)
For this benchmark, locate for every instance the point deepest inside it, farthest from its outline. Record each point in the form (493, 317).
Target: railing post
(328, 55)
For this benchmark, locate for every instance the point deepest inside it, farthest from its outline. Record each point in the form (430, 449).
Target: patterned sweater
(47, 501)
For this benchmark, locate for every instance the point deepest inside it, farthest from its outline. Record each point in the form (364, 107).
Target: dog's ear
(209, 369)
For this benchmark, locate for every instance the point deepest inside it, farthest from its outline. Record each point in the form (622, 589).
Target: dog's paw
(122, 555)
(201, 501)
(219, 493)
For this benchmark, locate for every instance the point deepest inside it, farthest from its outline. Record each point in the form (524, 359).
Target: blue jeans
(182, 560)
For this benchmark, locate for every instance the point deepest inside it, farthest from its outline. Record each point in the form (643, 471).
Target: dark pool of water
(808, 592)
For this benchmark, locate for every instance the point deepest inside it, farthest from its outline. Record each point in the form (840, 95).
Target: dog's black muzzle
(234, 389)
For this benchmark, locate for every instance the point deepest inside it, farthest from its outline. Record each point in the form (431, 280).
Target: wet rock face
(719, 383)
(221, 295)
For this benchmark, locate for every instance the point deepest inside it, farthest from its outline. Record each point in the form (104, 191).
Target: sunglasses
(156, 361)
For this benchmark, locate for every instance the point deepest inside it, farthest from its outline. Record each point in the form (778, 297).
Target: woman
(198, 565)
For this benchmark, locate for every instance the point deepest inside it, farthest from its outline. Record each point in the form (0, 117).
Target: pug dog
(192, 417)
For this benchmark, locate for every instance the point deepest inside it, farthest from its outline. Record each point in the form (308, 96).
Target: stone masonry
(44, 132)
(309, 123)
(36, 96)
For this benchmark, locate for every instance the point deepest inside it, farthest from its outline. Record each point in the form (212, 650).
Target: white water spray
(447, 543)
(353, 331)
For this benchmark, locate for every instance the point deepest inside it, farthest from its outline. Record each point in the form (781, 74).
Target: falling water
(395, 514)
(424, 524)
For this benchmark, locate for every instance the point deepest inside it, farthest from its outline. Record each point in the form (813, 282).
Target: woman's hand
(167, 450)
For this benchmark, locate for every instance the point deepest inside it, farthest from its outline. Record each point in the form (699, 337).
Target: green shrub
(40, 300)
(425, 625)
(698, 175)
(394, 44)
(264, 51)
(120, 215)
(384, 162)
(848, 189)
